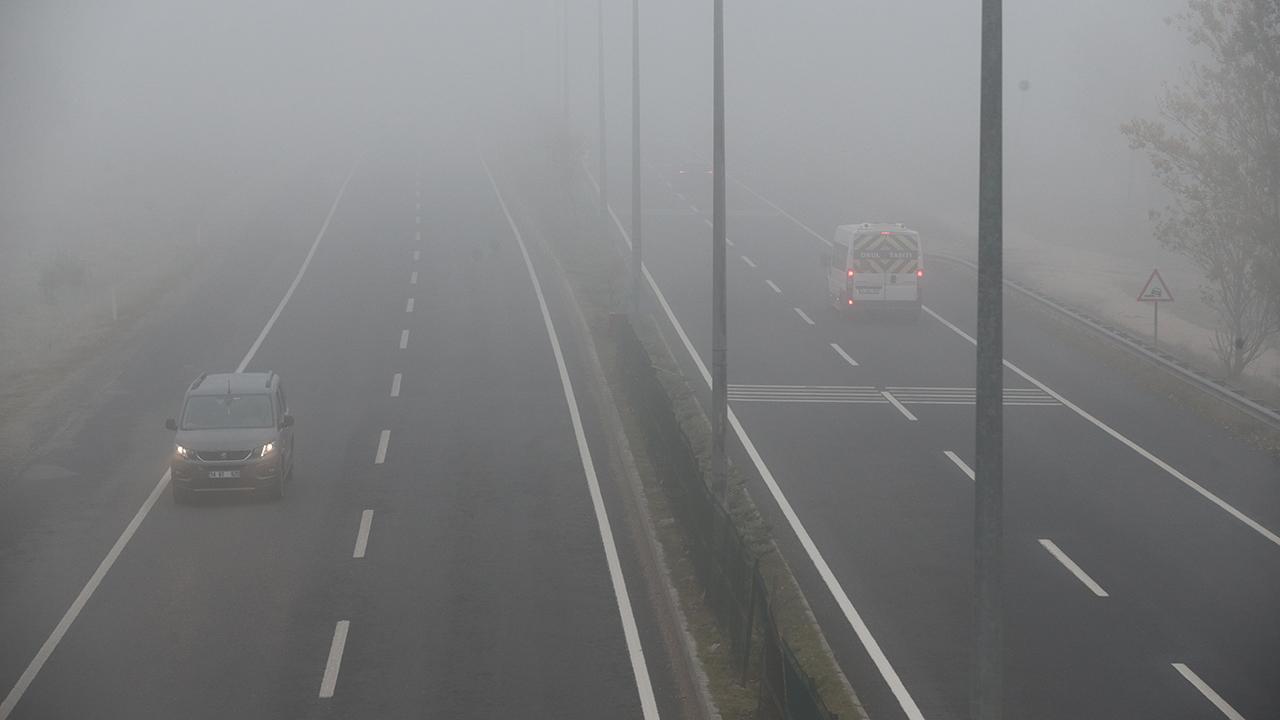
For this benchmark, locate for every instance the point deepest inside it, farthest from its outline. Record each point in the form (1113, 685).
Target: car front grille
(223, 455)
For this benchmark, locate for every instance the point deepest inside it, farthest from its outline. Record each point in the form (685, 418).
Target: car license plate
(220, 474)
(867, 290)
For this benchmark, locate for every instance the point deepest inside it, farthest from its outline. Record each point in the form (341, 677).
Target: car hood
(225, 438)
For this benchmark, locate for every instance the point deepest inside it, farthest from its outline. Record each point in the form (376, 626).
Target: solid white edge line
(383, 439)
(644, 687)
(1205, 493)
(334, 663)
(395, 385)
(306, 262)
(362, 535)
(1071, 566)
(748, 261)
(1208, 692)
(840, 351)
(408, 306)
(780, 211)
(901, 408)
(51, 643)
(774, 286)
(964, 466)
(804, 317)
(413, 278)
(851, 614)
(404, 339)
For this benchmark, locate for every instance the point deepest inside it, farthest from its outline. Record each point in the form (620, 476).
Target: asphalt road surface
(444, 549)
(1142, 565)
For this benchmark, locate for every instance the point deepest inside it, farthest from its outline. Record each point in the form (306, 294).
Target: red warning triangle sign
(1155, 290)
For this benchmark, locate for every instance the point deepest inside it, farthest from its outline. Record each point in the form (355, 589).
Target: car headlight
(266, 450)
(183, 452)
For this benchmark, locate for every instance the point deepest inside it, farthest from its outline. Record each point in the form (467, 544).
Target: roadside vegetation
(1216, 148)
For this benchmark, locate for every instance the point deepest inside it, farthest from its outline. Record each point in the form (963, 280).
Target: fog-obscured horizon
(152, 106)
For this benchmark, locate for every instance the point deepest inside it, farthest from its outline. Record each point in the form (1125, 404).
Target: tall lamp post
(604, 148)
(719, 352)
(988, 690)
(636, 209)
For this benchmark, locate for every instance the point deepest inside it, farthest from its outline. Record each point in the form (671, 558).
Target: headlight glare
(267, 449)
(182, 452)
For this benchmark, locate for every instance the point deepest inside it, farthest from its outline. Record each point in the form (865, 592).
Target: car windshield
(207, 412)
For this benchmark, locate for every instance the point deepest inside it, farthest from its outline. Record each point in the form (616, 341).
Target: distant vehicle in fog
(235, 434)
(876, 266)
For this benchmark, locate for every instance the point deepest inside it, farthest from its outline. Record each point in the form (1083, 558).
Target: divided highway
(447, 547)
(1142, 564)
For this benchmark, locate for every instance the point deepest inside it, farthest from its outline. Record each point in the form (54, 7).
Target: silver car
(235, 434)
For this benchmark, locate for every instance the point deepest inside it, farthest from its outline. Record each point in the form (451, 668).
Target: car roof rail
(196, 383)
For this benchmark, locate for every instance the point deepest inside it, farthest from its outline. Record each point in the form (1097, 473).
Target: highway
(1142, 566)
(447, 547)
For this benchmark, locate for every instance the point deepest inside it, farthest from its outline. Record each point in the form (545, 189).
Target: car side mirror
(170, 424)
(286, 421)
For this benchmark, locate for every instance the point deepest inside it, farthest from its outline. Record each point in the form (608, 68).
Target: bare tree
(1216, 147)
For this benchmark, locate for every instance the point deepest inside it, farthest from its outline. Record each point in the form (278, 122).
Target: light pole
(564, 64)
(604, 148)
(719, 351)
(636, 210)
(988, 690)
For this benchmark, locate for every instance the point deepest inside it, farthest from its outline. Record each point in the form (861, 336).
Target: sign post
(1155, 292)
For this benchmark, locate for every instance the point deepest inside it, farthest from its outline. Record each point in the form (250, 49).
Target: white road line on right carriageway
(844, 355)
(60, 630)
(1072, 567)
(964, 466)
(1204, 492)
(851, 614)
(1210, 694)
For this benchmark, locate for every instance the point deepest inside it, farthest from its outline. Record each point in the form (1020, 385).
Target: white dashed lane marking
(964, 467)
(773, 286)
(362, 535)
(383, 440)
(1208, 692)
(395, 385)
(1071, 565)
(840, 351)
(804, 317)
(404, 339)
(334, 663)
(901, 408)
(408, 306)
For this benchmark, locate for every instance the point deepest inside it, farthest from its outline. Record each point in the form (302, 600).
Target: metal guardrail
(1191, 375)
(727, 567)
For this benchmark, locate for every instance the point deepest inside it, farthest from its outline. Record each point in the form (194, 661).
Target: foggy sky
(127, 104)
